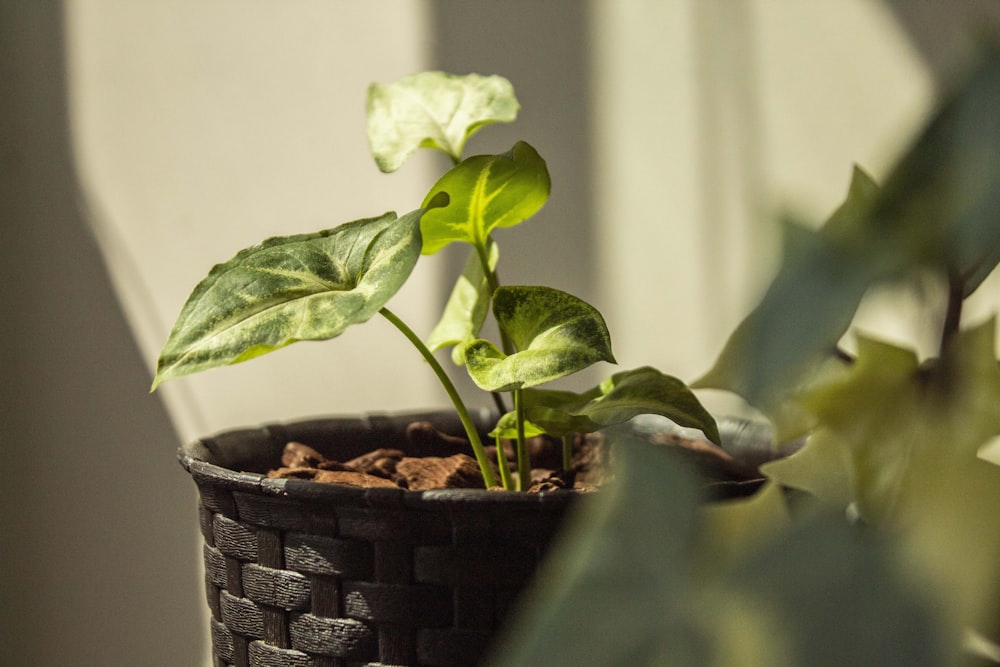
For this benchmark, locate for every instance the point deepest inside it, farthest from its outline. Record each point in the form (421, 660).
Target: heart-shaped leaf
(615, 401)
(485, 192)
(434, 110)
(467, 306)
(556, 334)
(286, 289)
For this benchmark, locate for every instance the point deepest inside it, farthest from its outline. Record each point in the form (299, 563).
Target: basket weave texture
(304, 574)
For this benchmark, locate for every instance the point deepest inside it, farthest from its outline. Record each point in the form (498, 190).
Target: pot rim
(214, 460)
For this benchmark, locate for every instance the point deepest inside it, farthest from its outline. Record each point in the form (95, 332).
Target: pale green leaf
(484, 192)
(467, 306)
(910, 435)
(863, 408)
(821, 468)
(741, 528)
(434, 110)
(555, 334)
(292, 288)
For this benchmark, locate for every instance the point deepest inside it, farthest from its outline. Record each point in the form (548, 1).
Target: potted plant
(303, 573)
(889, 551)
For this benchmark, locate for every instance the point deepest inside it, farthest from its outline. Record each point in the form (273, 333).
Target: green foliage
(890, 552)
(937, 211)
(638, 579)
(807, 308)
(467, 307)
(287, 289)
(433, 110)
(485, 192)
(313, 286)
(647, 574)
(555, 333)
(614, 401)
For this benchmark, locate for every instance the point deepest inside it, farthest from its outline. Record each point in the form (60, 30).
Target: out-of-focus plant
(890, 553)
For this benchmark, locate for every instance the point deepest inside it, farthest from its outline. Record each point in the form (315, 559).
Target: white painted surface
(710, 117)
(201, 128)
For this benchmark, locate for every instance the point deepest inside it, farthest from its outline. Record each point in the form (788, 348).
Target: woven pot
(300, 573)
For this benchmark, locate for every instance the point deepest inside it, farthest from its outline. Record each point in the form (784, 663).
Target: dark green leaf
(434, 110)
(616, 591)
(940, 203)
(555, 333)
(616, 400)
(303, 287)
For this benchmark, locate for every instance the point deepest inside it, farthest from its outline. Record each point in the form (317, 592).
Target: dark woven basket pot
(300, 573)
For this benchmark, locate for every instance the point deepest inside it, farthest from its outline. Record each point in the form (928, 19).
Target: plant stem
(523, 460)
(493, 282)
(953, 311)
(463, 413)
(498, 401)
(567, 451)
(505, 478)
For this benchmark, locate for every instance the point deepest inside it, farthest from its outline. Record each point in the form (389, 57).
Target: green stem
(493, 282)
(523, 460)
(953, 311)
(567, 451)
(463, 413)
(505, 478)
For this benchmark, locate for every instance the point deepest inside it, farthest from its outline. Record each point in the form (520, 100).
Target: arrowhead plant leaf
(616, 400)
(434, 110)
(286, 289)
(556, 334)
(485, 192)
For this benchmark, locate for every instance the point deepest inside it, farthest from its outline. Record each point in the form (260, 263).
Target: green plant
(890, 552)
(314, 286)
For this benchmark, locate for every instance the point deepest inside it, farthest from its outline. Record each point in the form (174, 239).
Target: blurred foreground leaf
(806, 310)
(636, 580)
(908, 437)
(937, 210)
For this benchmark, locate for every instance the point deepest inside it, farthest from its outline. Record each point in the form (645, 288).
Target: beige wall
(710, 115)
(201, 128)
